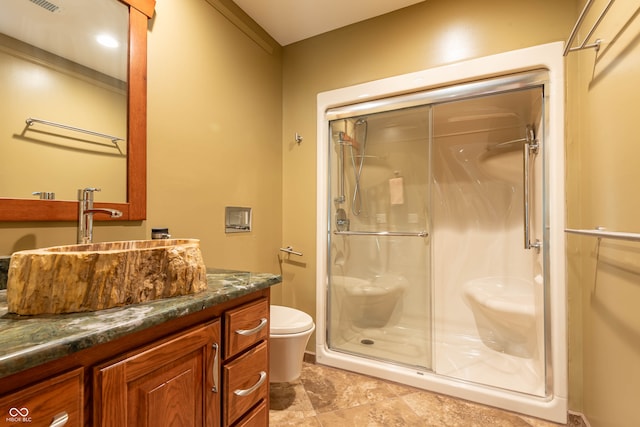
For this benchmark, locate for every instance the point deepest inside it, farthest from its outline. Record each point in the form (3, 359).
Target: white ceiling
(68, 28)
(289, 21)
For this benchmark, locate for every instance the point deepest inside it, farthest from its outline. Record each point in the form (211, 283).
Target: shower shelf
(601, 233)
(382, 233)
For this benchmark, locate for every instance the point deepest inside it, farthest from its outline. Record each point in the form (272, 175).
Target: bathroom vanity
(199, 359)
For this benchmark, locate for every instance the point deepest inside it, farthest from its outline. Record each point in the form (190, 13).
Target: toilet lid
(287, 320)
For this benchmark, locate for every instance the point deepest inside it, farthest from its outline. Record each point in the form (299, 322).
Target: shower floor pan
(467, 358)
(456, 355)
(394, 344)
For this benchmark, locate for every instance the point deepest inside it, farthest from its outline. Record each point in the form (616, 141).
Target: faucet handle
(86, 193)
(45, 195)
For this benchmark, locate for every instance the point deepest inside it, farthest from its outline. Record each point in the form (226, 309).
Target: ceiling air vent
(46, 5)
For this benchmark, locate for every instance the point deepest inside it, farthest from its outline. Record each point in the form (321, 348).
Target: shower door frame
(447, 79)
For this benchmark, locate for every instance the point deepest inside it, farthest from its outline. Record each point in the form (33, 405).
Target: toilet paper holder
(289, 250)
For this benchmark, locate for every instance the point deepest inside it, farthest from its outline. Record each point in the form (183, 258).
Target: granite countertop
(28, 341)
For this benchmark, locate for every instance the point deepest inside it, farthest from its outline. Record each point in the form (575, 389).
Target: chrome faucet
(86, 212)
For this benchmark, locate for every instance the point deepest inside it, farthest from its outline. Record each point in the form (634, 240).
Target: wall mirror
(88, 107)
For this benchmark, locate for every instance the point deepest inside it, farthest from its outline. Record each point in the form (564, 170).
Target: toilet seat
(286, 320)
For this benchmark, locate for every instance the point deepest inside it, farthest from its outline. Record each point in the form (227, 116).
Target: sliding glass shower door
(487, 234)
(437, 253)
(379, 278)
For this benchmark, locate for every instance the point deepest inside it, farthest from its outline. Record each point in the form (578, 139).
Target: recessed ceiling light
(107, 40)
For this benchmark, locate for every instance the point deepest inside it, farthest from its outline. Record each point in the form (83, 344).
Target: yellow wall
(214, 134)
(602, 172)
(214, 126)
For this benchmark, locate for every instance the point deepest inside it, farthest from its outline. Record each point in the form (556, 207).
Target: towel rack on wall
(576, 27)
(114, 139)
(602, 233)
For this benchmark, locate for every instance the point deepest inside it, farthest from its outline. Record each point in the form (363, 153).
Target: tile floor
(326, 397)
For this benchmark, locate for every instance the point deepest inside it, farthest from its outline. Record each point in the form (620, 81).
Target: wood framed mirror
(135, 207)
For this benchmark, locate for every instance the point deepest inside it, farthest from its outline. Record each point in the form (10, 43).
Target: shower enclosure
(436, 236)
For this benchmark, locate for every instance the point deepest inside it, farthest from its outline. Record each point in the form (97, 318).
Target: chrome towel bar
(114, 139)
(602, 233)
(576, 27)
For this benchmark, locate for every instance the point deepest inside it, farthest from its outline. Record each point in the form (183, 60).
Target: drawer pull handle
(59, 420)
(242, 393)
(215, 368)
(245, 332)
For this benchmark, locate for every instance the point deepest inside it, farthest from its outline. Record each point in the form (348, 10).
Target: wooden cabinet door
(56, 401)
(172, 383)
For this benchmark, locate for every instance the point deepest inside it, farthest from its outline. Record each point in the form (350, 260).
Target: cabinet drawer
(245, 326)
(50, 400)
(246, 383)
(258, 417)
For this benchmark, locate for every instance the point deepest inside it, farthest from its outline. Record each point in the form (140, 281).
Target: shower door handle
(531, 146)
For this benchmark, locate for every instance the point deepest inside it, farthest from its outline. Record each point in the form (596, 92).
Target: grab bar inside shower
(341, 198)
(382, 233)
(531, 146)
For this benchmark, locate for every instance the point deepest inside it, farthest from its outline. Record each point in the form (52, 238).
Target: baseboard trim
(309, 357)
(583, 421)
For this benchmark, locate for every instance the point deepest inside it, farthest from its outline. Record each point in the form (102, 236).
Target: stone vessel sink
(77, 278)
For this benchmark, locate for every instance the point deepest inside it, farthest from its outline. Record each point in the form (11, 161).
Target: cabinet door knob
(245, 332)
(59, 420)
(248, 391)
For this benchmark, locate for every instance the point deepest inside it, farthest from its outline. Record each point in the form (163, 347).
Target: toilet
(289, 333)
